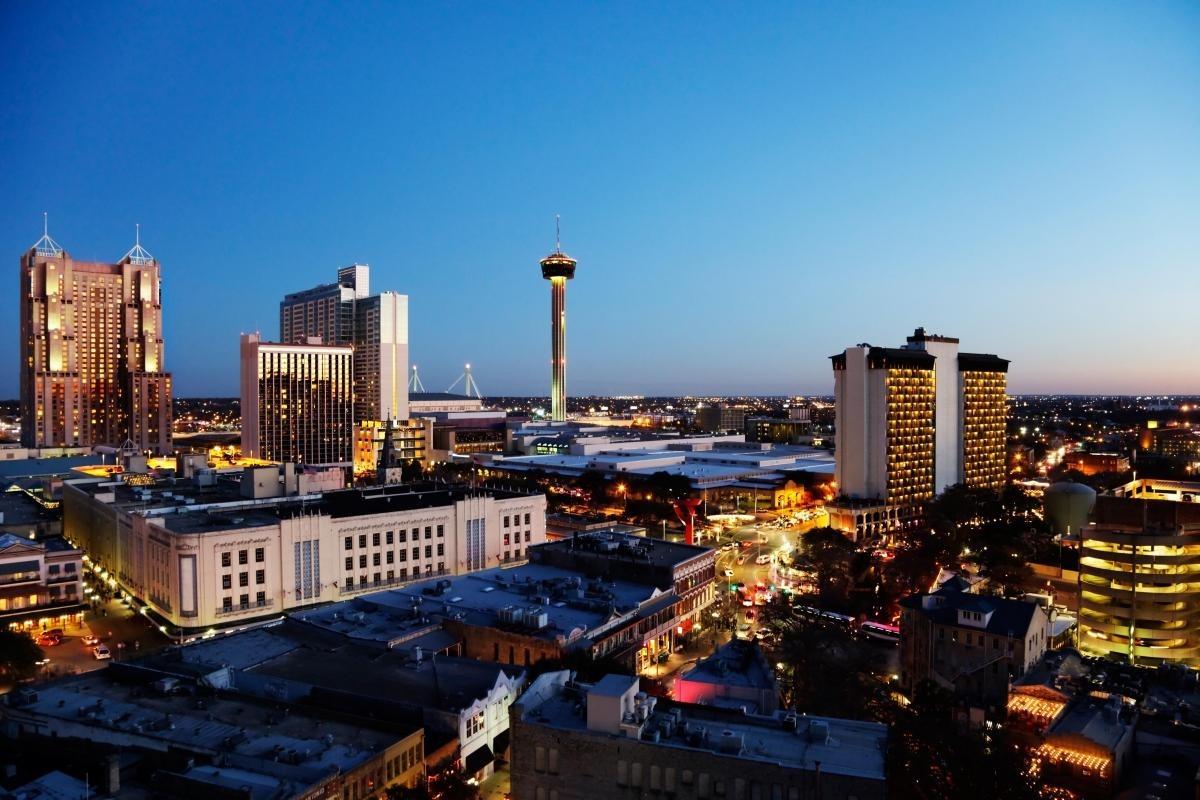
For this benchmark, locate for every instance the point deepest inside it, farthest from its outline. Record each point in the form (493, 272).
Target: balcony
(242, 608)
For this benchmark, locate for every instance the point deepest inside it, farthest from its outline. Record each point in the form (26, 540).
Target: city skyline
(880, 171)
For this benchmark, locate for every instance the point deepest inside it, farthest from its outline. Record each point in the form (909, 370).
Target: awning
(478, 759)
(500, 743)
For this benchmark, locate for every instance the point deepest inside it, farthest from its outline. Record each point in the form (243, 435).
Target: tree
(932, 758)
(19, 655)
(829, 555)
(823, 669)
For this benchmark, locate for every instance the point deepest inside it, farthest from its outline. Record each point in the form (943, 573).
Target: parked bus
(823, 616)
(880, 632)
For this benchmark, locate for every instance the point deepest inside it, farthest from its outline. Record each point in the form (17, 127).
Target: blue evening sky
(748, 187)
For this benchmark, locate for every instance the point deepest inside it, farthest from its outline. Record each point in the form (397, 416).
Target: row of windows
(516, 520)
(391, 557)
(243, 557)
(390, 537)
(260, 577)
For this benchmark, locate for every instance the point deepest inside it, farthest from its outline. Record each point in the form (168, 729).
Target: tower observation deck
(558, 268)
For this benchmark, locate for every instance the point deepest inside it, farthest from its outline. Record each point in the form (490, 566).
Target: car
(763, 559)
(101, 652)
(49, 640)
(750, 613)
(728, 573)
(91, 640)
(729, 546)
(743, 631)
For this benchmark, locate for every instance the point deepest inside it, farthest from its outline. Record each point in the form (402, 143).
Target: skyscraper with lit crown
(558, 268)
(92, 351)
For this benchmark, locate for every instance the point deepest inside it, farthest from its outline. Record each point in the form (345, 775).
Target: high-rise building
(346, 313)
(92, 351)
(297, 401)
(558, 268)
(912, 421)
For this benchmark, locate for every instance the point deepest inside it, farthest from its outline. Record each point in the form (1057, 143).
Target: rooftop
(297, 654)
(738, 663)
(1007, 617)
(565, 604)
(838, 746)
(184, 507)
(300, 745)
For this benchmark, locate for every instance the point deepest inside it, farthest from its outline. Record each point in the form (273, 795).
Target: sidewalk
(495, 787)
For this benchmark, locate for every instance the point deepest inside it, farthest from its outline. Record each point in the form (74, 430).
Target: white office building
(200, 556)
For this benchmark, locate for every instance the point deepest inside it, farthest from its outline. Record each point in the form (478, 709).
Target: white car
(763, 559)
(91, 640)
(101, 652)
(728, 573)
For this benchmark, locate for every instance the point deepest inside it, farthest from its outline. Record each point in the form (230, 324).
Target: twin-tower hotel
(912, 421)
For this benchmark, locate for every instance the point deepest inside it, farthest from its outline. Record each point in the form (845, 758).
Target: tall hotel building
(92, 351)
(346, 313)
(912, 421)
(297, 401)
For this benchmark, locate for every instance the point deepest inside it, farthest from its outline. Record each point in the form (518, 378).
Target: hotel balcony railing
(241, 608)
(20, 577)
(359, 588)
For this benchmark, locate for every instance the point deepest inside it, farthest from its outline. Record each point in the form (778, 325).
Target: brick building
(576, 741)
(971, 644)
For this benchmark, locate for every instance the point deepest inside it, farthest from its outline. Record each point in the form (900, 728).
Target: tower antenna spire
(46, 246)
(415, 385)
(557, 234)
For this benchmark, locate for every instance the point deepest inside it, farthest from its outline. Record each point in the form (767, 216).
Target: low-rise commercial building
(737, 675)
(329, 659)
(1078, 739)
(575, 741)
(604, 594)
(793, 430)
(971, 644)
(1096, 463)
(41, 583)
(207, 553)
(197, 742)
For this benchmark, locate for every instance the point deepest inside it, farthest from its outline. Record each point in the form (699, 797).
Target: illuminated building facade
(92, 351)
(912, 421)
(346, 313)
(411, 441)
(558, 268)
(983, 387)
(297, 402)
(1140, 592)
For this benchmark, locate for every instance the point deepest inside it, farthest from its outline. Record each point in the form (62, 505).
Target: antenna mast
(414, 383)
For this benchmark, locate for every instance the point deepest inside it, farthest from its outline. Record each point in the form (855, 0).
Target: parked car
(101, 652)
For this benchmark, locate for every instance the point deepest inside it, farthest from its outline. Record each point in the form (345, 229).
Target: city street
(124, 631)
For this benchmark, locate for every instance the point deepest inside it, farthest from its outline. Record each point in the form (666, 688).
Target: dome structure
(1068, 505)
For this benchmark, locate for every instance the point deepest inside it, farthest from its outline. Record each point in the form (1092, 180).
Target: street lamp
(624, 497)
